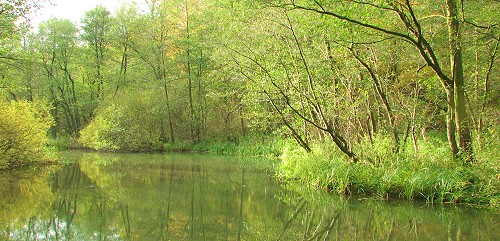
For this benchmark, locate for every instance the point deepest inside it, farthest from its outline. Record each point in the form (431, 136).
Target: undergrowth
(431, 174)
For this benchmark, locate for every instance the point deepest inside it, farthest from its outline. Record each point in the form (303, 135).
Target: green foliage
(23, 133)
(56, 47)
(130, 122)
(432, 174)
(225, 76)
(13, 13)
(487, 169)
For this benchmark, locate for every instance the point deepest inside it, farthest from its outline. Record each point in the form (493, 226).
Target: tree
(279, 60)
(13, 24)
(123, 29)
(56, 47)
(154, 47)
(194, 60)
(411, 30)
(11, 12)
(96, 27)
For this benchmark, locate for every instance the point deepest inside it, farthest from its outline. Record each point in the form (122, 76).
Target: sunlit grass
(432, 174)
(251, 145)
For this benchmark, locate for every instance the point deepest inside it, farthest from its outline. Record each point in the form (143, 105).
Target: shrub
(23, 133)
(130, 122)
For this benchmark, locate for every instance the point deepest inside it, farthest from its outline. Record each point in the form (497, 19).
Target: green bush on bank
(431, 174)
(132, 121)
(23, 133)
(128, 123)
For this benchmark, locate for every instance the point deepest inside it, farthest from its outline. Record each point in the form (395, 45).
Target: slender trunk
(450, 120)
(371, 119)
(302, 142)
(98, 69)
(123, 68)
(72, 103)
(477, 119)
(190, 94)
(414, 118)
(369, 127)
(76, 111)
(192, 114)
(242, 118)
(200, 122)
(486, 89)
(462, 118)
(163, 134)
(169, 114)
(382, 95)
(342, 144)
(55, 114)
(327, 124)
(414, 139)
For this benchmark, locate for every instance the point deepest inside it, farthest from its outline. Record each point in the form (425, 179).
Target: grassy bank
(430, 174)
(250, 145)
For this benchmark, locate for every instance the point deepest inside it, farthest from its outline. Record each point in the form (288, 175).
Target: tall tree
(194, 60)
(96, 27)
(462, 117)
(126, 24)
(57, 46)
(154, 46)
(412, 32)
(13, 25)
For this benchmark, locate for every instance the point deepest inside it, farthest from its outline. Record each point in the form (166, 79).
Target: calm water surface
(194, 197)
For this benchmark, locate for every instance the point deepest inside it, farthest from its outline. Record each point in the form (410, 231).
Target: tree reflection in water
(192, 197)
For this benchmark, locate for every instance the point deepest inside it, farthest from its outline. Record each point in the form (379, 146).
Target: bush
(23, 133)
(130, 122)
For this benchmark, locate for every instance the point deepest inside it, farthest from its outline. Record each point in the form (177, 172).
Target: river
(101, 196)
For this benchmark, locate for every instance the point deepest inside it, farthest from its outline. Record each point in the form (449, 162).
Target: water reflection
(320, 217)
(189, 197)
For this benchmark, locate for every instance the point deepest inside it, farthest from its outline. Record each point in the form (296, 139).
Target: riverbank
(431, 174)
(251, 145)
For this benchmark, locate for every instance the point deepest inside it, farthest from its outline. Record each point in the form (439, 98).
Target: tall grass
(432, 174)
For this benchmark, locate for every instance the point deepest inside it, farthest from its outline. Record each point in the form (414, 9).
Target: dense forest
(365, 96)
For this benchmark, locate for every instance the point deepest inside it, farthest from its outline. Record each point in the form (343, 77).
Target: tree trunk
(450, 119)
(462, 118)
(169, 114)
(382, 95)
(192, 114)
